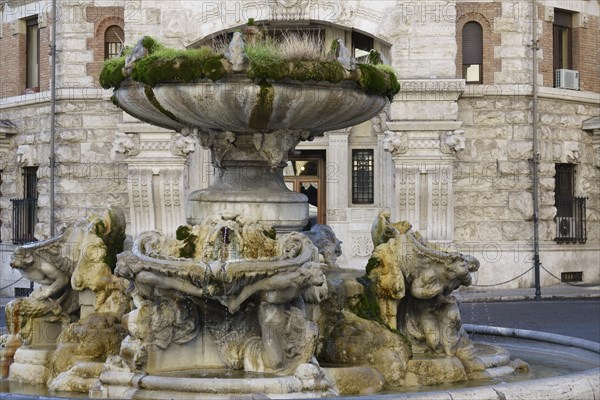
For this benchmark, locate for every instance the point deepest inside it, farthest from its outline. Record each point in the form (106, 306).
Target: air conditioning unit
(567, 79)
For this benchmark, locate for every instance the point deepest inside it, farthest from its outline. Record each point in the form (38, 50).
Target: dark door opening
(305, 173)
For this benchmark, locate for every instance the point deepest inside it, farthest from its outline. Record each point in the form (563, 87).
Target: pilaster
(423, 138)
(157, 176)
(337, 190)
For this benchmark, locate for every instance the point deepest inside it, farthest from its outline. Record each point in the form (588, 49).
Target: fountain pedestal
(249, 128)
(249, 180)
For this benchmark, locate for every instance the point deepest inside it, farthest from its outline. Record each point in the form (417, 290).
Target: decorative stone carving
(68, 268)
(380, 121)
(323, 237)
(25, 155)
(16, 27)
(453, 141)
(182, 145)
(43, 18)
(396, 142)
(432, 319)
(571, 152)
(549, 14)
(362, 246)
(227, 262)
(274, 147)
(73, 261)
(126, 144)
(219, 144)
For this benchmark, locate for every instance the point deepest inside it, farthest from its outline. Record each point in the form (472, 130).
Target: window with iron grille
(25, 209)
(570, 209)
(363, 176)
(472, 52)
(113, 41)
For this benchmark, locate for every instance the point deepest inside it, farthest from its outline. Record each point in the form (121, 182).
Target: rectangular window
(32, 54)
(361, 46)
(363, 176)
(570, 209)
(30, 182)
(562, 40)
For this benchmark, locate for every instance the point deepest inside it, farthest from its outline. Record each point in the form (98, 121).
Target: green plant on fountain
(294, 58)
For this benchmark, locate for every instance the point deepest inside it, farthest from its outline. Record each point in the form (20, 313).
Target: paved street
(571, 317)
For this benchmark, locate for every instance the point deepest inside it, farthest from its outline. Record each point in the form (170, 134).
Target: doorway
(305, 173)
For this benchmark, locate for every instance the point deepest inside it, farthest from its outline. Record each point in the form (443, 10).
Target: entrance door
(305, 173)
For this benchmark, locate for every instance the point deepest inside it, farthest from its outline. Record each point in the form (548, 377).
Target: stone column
(157, 178)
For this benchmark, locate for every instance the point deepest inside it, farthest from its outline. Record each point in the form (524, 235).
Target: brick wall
(586, 53)
(103, 18)
(13, 58)
(484, 14)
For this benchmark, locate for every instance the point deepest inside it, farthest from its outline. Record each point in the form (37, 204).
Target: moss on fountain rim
(162, 64)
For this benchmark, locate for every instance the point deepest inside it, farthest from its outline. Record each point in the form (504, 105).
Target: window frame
(361, 42)
(107, 50)
(562, 30)
(479, 56)
(362, 196)
(30, 24)
(570, 219)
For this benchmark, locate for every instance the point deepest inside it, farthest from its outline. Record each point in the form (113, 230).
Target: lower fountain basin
(557, 371)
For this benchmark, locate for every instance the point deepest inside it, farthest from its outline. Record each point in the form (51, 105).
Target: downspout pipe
(52, 118)
(536, 156)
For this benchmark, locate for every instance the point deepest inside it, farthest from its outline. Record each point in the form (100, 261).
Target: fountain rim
(165, 118)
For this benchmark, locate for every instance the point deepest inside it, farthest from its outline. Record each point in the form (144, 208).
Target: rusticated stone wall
(493, 185)
(86, 178)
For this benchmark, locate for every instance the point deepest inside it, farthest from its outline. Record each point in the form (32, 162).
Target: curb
(480, 298)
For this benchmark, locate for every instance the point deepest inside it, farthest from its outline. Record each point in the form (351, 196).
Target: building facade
(453, 153)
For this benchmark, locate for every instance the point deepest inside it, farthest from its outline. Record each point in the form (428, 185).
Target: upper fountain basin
(237, 104)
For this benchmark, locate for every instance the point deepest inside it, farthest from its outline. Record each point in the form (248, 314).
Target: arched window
(113, 41)
(472, 52)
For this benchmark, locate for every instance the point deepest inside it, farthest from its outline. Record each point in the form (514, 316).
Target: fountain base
(284, 210)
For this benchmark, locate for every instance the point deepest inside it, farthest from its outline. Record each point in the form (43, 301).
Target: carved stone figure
(182, 145)
(452, 141)
(138, 52)
(126, 144)
(412, 281)
(325, 240)
(395, 142)
(77, 263)
(344, 56)
(99, 240)
(236, 54)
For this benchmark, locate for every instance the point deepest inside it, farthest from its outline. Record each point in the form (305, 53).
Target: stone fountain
(240, 289)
